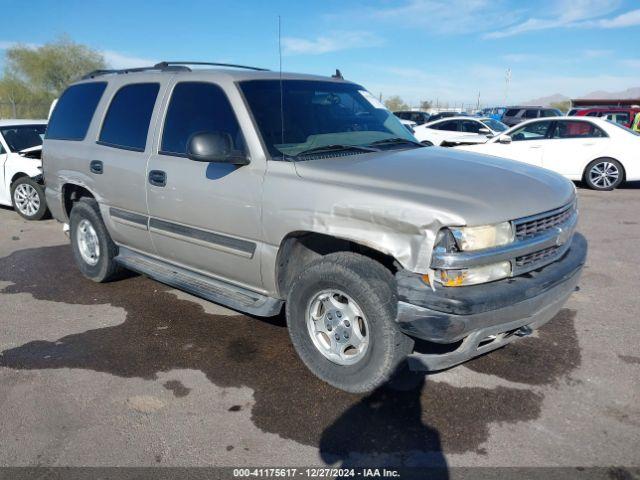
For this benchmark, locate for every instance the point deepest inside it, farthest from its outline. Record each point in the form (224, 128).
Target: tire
(28, 200)
(427, 143)
(597, 181)
(101, 266)
(371, 289)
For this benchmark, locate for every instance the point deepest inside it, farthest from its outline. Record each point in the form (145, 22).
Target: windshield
(319, 114)
(495, 125)
(19, 137)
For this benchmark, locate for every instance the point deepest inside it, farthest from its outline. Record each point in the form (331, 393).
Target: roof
(603, 102)
(233, 73)
(15, 122)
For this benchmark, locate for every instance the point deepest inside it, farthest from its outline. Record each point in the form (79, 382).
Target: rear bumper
(485, 317)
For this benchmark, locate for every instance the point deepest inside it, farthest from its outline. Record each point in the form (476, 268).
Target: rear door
(5, 195)
(205, 216)
(119, 158)
(572, 145)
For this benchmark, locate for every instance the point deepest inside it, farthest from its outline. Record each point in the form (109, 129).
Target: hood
(474, 188)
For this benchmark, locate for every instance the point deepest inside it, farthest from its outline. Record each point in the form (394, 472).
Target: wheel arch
(299, 248)
(71, 193)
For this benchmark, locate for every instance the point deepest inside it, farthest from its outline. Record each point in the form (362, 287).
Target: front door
(527, 143)
(204, 216)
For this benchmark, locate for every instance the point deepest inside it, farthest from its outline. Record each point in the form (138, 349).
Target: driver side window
(470, 126)
(532, 131)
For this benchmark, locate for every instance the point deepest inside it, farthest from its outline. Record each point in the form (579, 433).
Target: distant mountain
(598, 94)
(545, 101)
(628, 93)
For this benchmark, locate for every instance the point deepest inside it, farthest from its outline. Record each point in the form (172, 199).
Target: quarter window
(73, 113)
(532, 131)
(126, 124)
(577, 129)
(198, 107)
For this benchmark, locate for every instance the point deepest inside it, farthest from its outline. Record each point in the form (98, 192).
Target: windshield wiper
(396, 141)
(336, 148)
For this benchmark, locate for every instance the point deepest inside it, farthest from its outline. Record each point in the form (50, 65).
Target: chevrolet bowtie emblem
(563, 236)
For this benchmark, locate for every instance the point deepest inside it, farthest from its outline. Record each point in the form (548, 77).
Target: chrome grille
(535, 257)
(532, 226)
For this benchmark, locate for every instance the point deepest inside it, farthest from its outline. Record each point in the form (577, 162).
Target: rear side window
(198, 107)
(126, 124)
(450, 126)
(577, 129)
(530, 114)
(512, 112)
(73, 113)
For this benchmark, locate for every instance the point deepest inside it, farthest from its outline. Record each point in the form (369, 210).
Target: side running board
(200, 285)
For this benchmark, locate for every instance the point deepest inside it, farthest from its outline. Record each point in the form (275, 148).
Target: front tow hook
(523, 331)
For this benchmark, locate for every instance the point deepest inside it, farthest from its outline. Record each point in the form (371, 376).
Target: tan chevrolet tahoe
(259, 190)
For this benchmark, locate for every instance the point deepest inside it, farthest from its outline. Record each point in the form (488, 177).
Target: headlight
(485, 236)
(474, 275)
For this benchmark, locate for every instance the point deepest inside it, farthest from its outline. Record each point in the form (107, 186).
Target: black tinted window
(530, 114)
(20, 137)
(470, 126)
(198, 107)
(451, 126)
(532, 131)
(73, 112)
(127, 121)
(512, 112)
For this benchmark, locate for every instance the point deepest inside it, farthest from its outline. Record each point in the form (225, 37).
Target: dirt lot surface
(135, 373)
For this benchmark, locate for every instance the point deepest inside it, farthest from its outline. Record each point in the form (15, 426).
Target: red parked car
(622, 115)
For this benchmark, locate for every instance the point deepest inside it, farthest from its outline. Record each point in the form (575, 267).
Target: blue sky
(419, 49)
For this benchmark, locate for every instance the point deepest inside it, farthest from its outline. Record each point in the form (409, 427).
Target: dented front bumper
(484, 317)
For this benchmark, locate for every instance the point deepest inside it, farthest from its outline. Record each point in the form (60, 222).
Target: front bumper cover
(488, 316)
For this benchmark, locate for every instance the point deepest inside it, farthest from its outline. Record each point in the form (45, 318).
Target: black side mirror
(214, 147)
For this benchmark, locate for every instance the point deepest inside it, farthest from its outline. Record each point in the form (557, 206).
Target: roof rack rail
(159, 66)
(213, 64)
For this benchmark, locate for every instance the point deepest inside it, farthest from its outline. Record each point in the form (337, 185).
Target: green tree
(563, 106)
(34, 76)
(395, 103)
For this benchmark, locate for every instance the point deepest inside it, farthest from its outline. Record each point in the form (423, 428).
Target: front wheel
(341, 317)
(604, 174)
(28, 199)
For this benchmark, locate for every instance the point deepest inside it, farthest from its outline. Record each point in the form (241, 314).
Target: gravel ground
(134, 373)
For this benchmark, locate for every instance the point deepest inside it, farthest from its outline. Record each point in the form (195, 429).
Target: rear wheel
(93, 249)
(341, 317)
(604, 174)
(28, 199)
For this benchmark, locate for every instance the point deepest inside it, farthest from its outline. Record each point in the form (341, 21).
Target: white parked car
(21, 184)
(601, 153)
(409, 124)
(458, 130)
